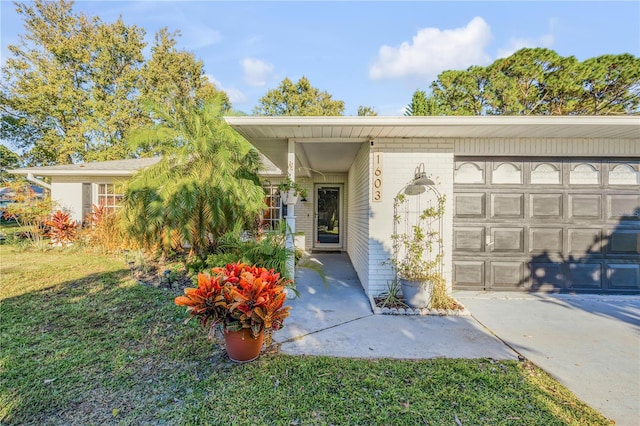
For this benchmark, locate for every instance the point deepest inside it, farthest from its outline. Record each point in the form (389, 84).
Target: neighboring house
(533, 203)
(76, 188)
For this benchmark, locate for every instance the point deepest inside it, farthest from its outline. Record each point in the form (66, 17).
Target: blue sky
(364, 53)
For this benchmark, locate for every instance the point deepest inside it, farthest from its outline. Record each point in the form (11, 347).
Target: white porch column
(291, 218)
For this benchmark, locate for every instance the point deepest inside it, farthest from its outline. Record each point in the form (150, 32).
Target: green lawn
(82, 343)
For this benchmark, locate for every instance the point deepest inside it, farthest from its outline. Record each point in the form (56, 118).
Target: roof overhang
(333, 137)
(36, 171)
(115, 168)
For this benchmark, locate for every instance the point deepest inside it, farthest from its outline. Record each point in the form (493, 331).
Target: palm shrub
(206, 182)
(266, 250)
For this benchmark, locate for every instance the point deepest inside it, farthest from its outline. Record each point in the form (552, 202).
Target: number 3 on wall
(377, 177)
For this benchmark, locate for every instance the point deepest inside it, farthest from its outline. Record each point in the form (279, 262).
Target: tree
(172, 77)
(460, 92)
(73, 87)
(206, 182)
(529, 82)
(536, 82)
(364, 111)
(298, 99)
(611, 85)
(422, 104)
(418, 105)
(8, 160)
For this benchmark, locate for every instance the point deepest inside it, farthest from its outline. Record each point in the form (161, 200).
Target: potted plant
(417, 252)
(290, 191)
(244, 301)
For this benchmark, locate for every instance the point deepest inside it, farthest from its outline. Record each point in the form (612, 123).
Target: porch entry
(328, 227)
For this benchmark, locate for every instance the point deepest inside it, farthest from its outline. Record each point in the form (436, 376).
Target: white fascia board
(37, 172)
(430, 120)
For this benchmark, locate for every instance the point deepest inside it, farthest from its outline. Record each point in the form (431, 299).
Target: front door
(329, 222)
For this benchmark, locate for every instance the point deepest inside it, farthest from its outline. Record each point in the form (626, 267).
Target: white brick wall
(400, 158)
(358, 208)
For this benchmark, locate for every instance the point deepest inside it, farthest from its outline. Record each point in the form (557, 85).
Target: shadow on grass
(93, 350)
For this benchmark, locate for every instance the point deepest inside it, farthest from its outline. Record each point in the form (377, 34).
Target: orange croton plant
(238, 296)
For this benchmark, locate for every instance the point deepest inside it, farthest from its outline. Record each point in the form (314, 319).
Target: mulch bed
(155, 273)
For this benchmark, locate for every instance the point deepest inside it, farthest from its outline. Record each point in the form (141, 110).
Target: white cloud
(432, 51)
(197, 36)
(256, 72)
(516, 44)
(235, 95)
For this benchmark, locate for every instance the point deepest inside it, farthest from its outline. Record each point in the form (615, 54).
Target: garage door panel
(469, 239)
(624, 241)
(584, 241)
(545, 276)
(623, 174)
(546, 173)
(584, 276)
(505, 206)
(469, 274)
(506, 173)
(469, 172)
(470, 205)
(508, 275)
(623, 276)
(623, 207)
(584, 174)
(507, 240)
(585, 206)
(545, 206)
(546, 240)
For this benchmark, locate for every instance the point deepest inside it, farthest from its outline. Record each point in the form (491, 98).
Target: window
(273, 213)
(108, 196)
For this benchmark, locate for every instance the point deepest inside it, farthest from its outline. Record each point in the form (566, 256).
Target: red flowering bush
(238, 296)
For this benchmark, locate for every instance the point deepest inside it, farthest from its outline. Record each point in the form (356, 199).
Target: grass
(83, 343)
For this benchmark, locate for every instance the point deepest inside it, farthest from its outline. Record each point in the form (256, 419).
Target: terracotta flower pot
(241, 347)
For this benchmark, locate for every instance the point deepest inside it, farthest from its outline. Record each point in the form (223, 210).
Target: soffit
(330, 144)
(339, 129)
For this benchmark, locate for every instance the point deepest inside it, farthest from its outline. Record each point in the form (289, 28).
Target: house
(532, 203)
(77, 187)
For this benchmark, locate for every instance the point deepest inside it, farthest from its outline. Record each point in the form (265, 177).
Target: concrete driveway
(590, 343)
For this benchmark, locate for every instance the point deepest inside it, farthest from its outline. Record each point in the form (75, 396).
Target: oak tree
(299, 98)
(74, 86)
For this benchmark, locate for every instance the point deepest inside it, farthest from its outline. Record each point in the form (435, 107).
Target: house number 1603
(377, 177)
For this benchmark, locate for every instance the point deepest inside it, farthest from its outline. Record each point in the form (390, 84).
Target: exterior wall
(358, 207)
(67, 196)
(400, 157)
(66, 192)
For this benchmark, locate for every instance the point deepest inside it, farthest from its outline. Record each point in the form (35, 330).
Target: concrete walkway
(337, 320)
(590, 343)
